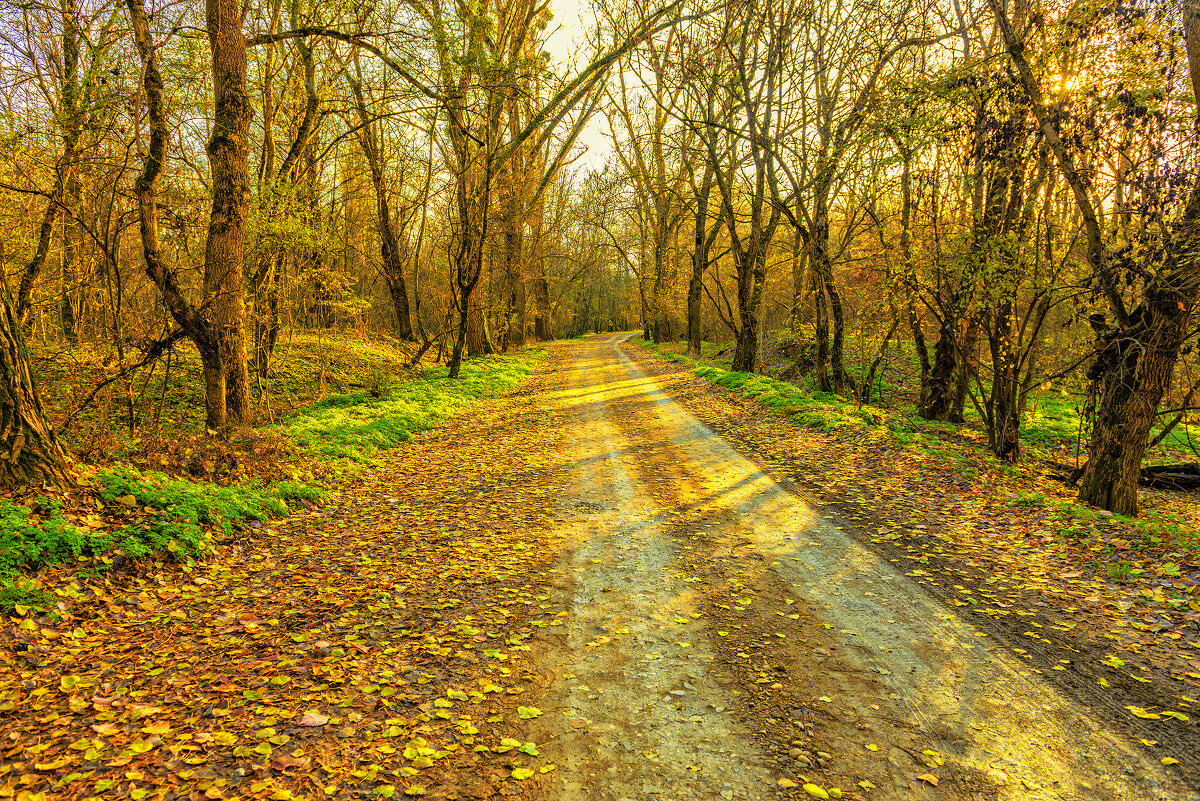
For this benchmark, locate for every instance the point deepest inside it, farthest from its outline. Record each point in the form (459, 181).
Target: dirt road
(723, 641)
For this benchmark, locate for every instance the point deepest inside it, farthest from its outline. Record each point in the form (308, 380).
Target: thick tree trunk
(479, 343)
(1132, 379)
(31, 453)
(224, 282)
(1005, 428)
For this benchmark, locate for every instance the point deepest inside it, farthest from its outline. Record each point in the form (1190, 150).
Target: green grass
(823, 410)
(355, 426)
(167, 518)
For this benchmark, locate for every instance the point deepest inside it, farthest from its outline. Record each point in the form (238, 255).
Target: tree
(1135, 357)
(217, 325)
(31, 451)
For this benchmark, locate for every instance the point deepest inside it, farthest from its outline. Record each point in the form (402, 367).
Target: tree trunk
(31, 452)
(542, 328)
(224, 282)
(818, 247)
(393, 260)
(968, 361)
(1005, 429)
(69, 292)
(702, 241)
(821, 333)
(940, 399)
(514, 278)
(1131, 376)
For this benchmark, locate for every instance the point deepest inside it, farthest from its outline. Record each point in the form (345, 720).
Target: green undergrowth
(355, 426)
(151, 516)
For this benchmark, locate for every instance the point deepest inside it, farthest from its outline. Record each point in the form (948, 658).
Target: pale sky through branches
(569, 51)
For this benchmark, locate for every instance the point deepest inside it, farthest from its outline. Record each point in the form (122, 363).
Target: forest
(958, 208)
(488, 398)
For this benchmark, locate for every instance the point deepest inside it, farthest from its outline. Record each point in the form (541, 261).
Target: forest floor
(581, 591)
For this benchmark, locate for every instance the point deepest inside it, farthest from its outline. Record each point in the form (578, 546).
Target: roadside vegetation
(154, 492)
(1164, 543)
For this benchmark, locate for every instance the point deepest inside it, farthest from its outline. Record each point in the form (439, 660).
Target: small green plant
(1122, 570)
(1032, 500)
(26, 541)
(379, 382)
(172, 520)
(23, 593)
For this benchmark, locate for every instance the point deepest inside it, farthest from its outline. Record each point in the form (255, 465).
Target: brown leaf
(287, 761)
(929, 777)
(313, 719)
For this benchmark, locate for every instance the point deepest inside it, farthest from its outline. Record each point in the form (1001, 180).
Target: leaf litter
(375, 646)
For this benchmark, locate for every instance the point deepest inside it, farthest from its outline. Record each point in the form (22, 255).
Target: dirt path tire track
(660, 703)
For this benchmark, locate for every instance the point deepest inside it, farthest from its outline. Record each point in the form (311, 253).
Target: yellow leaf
(1144, 714)
(872, 747)
(522, 773)
(785, 783)
(1169, 761)
(815, 791)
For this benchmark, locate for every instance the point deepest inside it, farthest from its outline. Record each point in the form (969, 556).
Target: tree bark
(224, 282)
(701, 243)
(939, 399)
(31, 453)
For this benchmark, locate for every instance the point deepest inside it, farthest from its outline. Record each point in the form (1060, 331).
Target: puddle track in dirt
(642, 691)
